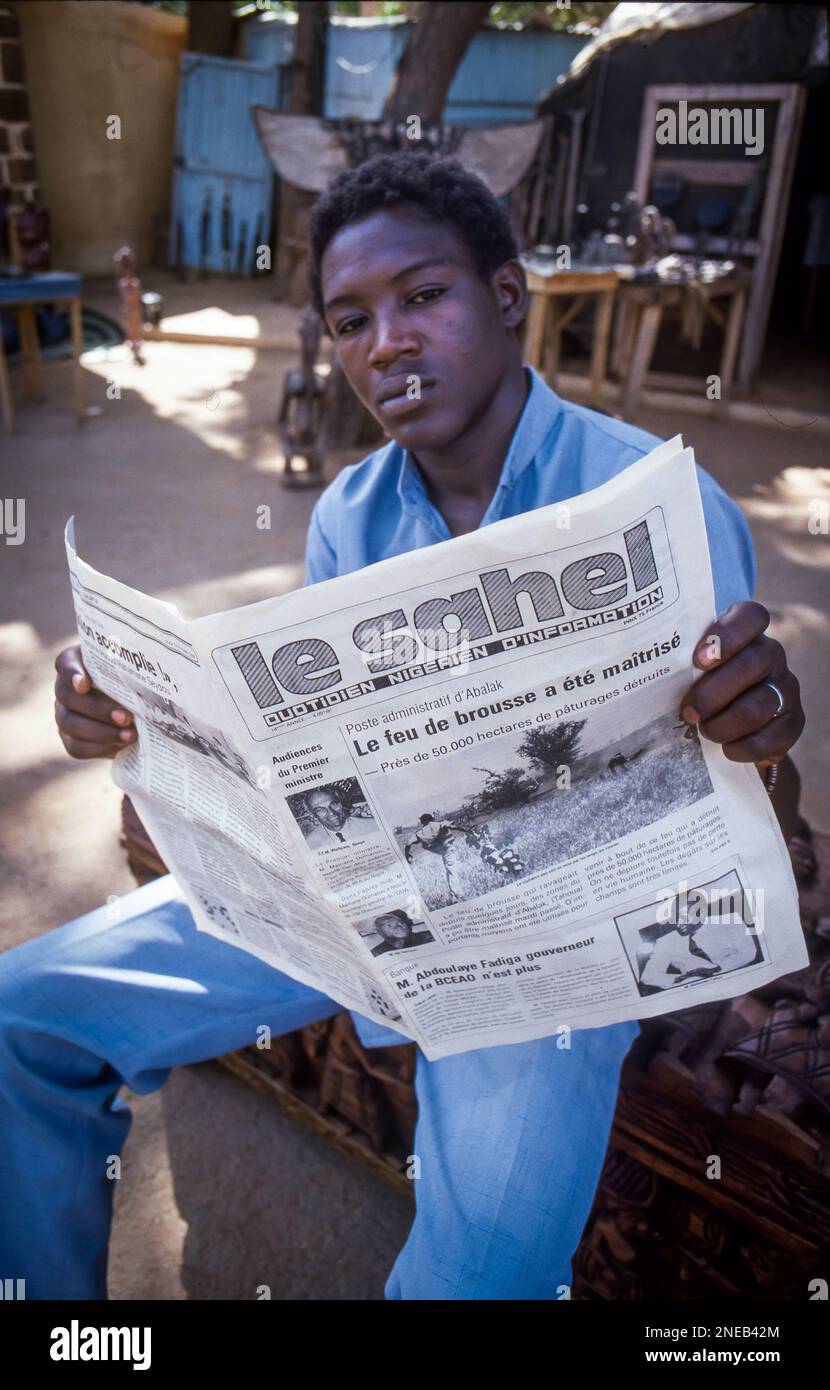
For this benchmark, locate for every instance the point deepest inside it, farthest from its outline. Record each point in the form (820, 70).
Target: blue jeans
(510, 1139)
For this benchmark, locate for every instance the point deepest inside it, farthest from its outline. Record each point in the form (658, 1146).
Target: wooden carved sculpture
(792, 1050)
(308, 151)
(29, 237)
(300, 418)
(129, 296)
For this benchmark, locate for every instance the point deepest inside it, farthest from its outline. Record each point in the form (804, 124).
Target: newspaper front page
(453, 790)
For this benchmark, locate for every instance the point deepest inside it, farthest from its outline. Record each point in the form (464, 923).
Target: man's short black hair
(441, 188)
(398, 912)
(426, 818)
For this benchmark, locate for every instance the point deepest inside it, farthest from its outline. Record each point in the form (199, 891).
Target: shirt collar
(540, 412)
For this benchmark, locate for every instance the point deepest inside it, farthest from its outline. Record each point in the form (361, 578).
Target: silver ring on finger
(779, 697)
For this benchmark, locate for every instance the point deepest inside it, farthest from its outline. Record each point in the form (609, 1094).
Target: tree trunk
(308, 62)
(305, 98)
(210, 28)
(428, 63)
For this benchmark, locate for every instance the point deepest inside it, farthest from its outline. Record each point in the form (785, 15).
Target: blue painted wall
(222, 178)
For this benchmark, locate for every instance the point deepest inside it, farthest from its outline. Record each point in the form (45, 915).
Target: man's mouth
(401, 394)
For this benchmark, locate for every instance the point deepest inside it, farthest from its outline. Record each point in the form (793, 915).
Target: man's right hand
(90, 724)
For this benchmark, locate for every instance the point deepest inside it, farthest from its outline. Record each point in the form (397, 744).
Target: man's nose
(391, 339)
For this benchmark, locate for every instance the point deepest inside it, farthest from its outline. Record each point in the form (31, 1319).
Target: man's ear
(510, 287)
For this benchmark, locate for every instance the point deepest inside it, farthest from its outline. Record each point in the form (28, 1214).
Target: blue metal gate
(222, 181)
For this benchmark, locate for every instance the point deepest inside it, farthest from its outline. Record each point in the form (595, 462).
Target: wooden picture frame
(765, 249)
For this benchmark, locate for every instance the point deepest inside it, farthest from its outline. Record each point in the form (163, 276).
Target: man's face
(392, 928)
(328, 809)
(409, 313)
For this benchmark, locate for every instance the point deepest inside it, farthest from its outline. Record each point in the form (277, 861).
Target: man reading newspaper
(415, 270)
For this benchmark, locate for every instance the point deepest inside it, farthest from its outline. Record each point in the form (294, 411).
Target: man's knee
(20, 974)
(25, 1045)
(43, 1021)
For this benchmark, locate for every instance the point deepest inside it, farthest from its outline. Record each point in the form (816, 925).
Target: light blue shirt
(379, 508)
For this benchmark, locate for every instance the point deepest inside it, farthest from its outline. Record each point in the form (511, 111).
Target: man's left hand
(734, 703)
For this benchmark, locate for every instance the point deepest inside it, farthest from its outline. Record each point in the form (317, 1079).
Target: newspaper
(453, 790)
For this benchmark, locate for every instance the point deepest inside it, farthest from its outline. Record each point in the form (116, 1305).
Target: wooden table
(640, 314)
(22, 293)
(547, 317)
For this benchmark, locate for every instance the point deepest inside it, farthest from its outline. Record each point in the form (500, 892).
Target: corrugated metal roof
(626, 21)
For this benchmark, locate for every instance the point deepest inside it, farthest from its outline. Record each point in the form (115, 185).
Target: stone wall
(18, 168)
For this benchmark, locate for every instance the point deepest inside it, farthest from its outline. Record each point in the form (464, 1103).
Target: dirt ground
(164, 482)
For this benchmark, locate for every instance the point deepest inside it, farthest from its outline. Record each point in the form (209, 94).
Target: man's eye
(349, 326)
(423, 296)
